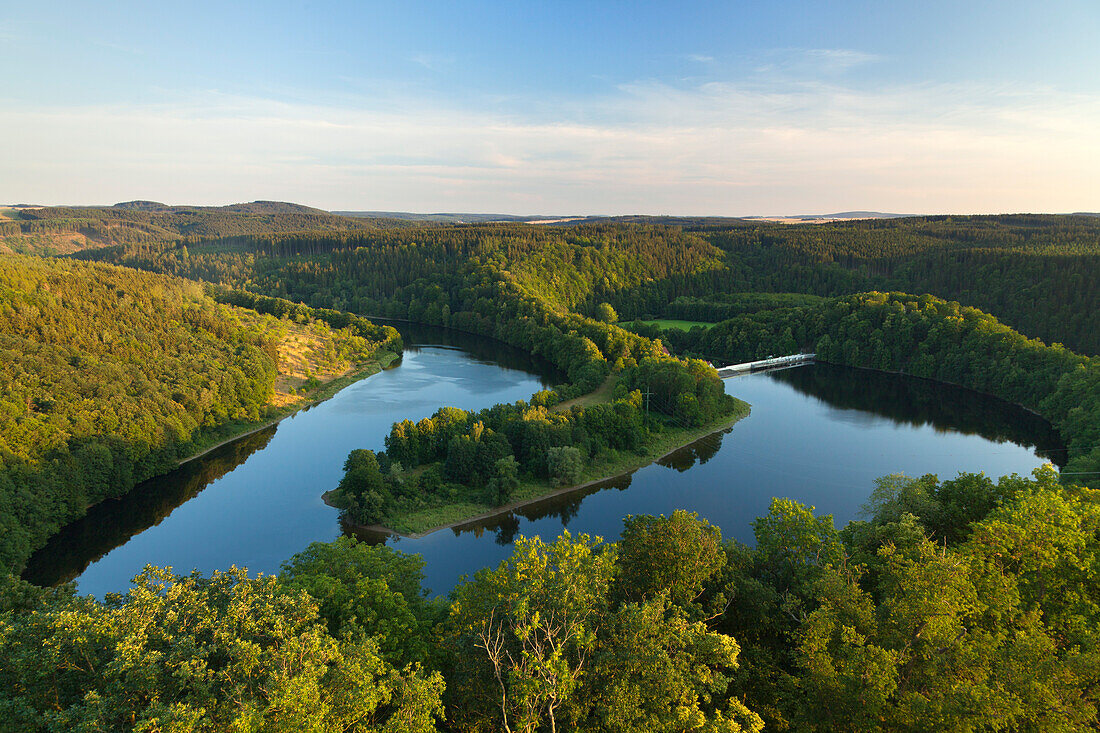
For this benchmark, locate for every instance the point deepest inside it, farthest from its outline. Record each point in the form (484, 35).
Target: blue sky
(597, 107)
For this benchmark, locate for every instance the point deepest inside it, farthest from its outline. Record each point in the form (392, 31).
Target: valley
(532, 377)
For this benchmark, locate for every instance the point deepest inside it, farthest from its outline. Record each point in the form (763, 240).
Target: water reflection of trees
(919, 402)
(566, 506)
(480, 348)
(903, 399)
(699, 452)
(505, 525)
(113, 522)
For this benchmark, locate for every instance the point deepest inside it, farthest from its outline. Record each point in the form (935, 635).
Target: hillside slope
(109, 376)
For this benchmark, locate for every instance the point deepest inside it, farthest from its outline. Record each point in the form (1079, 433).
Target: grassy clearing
(602, 395)
(46, 244)
(315, 362)
(227, 433)
(311, 354)
(461, 511)
(668, 323)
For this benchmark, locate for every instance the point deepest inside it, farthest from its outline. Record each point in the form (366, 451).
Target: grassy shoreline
(446, 516)
(216, 438)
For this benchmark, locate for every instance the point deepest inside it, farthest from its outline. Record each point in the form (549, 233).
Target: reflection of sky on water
(270, 507)
(797, 443)
(792, 445)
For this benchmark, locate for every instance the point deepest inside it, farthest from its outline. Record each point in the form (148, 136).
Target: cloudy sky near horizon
(557, 108)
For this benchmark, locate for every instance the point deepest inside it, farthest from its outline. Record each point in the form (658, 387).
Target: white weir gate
(772, 362)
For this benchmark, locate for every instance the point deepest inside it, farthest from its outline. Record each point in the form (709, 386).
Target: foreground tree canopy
(918, 617)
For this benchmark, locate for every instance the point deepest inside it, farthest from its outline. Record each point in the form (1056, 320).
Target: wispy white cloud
(718, 147)
(837, 60)
(794, 64)
(700, 58)
(129, 50)
(432, 62)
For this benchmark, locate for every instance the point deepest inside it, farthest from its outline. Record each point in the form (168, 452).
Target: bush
(565, 465)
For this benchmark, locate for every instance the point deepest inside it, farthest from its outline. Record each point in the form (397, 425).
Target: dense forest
(960, 604)
(109, 376)
(930, 338)
(1035, 273)
(564, 268)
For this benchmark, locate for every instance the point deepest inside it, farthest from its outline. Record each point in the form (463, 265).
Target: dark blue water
(254, 506)
(817, 434)
(812, 446)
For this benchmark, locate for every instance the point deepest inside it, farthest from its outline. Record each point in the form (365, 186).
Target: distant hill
(694, 222)
(440, 218)
(58, 230)
(815, 218)
(864, 215)
(272, 207)
(256, 207)
(142, 206)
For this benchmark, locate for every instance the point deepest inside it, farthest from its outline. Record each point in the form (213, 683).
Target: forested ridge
(564, 268)
(930, 338)
(110, 375)
(62, 229)
(961, 604)
(1036, 273)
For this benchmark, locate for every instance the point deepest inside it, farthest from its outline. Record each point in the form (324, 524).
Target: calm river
(817, 434)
